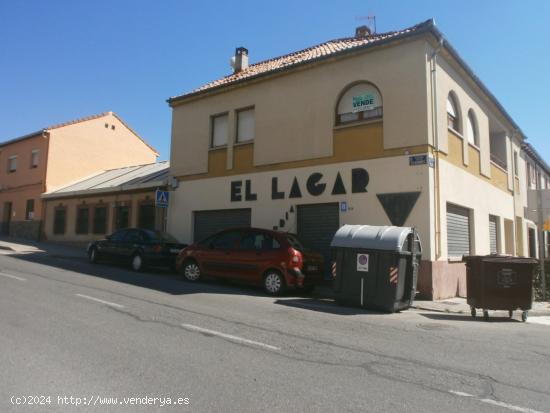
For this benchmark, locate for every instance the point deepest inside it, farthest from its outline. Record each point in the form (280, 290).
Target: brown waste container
(500, 283)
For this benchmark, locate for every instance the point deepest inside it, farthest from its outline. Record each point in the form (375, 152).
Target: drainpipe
(435, 133)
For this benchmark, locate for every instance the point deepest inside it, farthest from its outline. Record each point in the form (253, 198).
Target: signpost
(162, 198)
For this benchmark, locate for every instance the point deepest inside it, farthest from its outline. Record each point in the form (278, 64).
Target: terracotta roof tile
(309, 54)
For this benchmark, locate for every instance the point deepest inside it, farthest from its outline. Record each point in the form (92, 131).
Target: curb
(534, 313)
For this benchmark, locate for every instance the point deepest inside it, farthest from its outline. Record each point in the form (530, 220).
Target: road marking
(544, 320)
(509, 406)
(496, 403)
(100, 301)
(460, 393)
(15, 277)
(228, 336)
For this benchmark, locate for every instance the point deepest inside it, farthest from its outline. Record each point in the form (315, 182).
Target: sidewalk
(35, 247)
(458, 305)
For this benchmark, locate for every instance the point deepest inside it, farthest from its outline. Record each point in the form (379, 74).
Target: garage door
(493, 234)
(458, 231)
(317, 224)
(209, 222)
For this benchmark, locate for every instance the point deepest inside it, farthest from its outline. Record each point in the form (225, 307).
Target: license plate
(312, 268)
(175, 250)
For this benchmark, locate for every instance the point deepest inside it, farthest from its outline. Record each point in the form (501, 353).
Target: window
(82, 219)
(360, 102)
(34, 158)
(471, 128)
(259, 241)
(453, 115)
(146, 216)
(515, 163)
(100, 220)
(458, 231)
(60, 215)
(226, 241)
(134, 235)
(220, 130)
(118, 235)
(493, 234)
(245, 125)
(29, 213)
(12, 164)
(122, 217)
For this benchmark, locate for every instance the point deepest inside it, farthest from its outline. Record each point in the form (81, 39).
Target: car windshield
(161, 236)
(295, 242)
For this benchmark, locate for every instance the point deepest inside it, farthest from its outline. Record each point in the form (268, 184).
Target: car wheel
(274, 283)
(137, 262)
(93, 255)
(191, 271)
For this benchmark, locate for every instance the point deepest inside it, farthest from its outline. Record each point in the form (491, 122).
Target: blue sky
(61, 60)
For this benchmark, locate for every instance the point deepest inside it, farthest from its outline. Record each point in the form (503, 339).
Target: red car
(276, 260)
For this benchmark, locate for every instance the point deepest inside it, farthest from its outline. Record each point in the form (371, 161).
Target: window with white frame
(471, 128)
(245, 125)
(453, 115)
(359, 102)
(12, 163)
(220, 130)
(34, 158)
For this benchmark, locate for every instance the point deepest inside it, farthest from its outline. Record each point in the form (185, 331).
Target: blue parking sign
(162, 198)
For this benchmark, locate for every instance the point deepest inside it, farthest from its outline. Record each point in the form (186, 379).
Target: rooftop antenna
(371, 21)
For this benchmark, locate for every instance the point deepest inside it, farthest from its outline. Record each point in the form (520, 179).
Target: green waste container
(499, 283)
(376, 267)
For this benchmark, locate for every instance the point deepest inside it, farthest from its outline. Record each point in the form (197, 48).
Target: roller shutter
(458, 231)
(317, 224)
(493, 234)
(207, 223)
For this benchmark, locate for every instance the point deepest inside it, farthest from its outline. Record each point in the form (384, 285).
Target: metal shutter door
(458, 231)
(317, 224)
(493, 234)
(209, 222)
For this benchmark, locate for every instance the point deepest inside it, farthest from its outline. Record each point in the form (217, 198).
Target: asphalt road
(96, 333)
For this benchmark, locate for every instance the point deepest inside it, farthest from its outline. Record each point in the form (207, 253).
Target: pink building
(56, 156)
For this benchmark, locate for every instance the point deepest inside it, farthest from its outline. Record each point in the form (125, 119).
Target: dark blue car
(137, 247)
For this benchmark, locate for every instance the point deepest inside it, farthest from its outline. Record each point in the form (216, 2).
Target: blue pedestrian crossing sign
(162, 198)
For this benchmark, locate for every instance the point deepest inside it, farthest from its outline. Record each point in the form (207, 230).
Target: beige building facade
(56, 156)
(379, 129)
(105, 202)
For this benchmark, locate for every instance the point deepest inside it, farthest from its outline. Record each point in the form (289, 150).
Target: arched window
(361, 101)
(453, 114)
(471, 128)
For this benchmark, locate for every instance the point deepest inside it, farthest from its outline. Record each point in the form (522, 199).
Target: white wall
(466, 190)
(387, 175)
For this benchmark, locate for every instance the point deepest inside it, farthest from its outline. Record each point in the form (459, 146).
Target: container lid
(386, 238)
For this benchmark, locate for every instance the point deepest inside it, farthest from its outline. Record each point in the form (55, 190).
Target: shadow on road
(464, 317)
(324, 306)
(159, 279)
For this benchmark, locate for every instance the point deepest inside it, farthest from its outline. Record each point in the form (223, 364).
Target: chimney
(241, 59)
(362, 31)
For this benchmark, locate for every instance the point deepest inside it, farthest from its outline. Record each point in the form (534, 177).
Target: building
(537, 179)
(55, 156)
(381, 129)
(107, 201)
